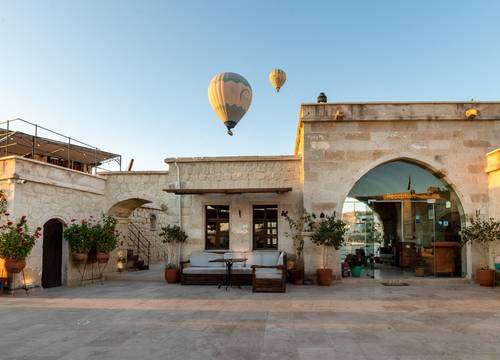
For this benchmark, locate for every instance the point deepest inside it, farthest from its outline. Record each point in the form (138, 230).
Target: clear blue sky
(131, 76)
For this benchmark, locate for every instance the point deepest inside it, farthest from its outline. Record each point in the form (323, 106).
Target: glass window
(265, 227)
(217, 227)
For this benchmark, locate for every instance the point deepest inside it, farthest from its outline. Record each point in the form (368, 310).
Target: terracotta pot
(295, 276)
(80, 258)
(420, 271)
(102, 258)
(324, 277)
(172, 276)
(485, 277)
(14, 266)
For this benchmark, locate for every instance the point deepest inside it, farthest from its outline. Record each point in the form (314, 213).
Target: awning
(280, 190)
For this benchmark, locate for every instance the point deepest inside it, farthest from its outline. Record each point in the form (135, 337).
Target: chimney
(322, 98)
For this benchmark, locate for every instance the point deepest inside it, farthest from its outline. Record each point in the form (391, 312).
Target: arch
(52, 253)
(425, 162)
(123, 209)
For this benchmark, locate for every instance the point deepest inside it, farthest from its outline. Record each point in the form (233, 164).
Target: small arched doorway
(403, 220)
(52, 253)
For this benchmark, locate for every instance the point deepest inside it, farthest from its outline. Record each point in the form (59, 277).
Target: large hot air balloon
(277, 78)
(230, 96)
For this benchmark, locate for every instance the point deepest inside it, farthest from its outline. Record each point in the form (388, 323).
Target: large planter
(102, 258)
(172, 276)
(485, 277)
(14, 266)
(356, 271)
(80, 258)
(296, 276)
(324, 277)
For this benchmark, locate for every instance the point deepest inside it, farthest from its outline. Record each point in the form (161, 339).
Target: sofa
(264, 270)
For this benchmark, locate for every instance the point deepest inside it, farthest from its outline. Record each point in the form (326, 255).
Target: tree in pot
(329, 233)
(16, 243)
(298, 227)
(482, 233)
(105, 237)
(173, 237)
(79, 237)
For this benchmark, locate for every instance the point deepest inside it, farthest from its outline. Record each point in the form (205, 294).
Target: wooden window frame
(265, 221)
(217, 220)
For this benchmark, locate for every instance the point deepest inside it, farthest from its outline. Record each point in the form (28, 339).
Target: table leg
(229, 271)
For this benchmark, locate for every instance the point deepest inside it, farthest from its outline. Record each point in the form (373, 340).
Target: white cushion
(202, 259)
(270, 259)
(203, 270)
(281, 259)
(268, 274)
(253, 259)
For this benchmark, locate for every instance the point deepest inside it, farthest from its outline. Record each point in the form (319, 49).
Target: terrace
(351, 320)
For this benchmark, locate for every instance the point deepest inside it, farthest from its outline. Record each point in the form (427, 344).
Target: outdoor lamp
(471, 113)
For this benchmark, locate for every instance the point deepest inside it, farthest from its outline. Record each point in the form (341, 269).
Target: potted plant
(105, 237)
(173, 237)
(329, 233)
(16, 242)
(304, 224)
(481, 233)
(420, 267)
(356, 266)
(79, 238)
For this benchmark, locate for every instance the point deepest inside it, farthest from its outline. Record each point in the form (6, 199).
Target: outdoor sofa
(264, 270)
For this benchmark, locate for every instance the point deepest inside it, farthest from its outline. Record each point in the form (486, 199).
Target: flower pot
(420, 271)
(296, 276)
(172, 276)
(102, 258)
(356, 271)
(14, 266)
(324, 277)
(485, 277)
(80, 258)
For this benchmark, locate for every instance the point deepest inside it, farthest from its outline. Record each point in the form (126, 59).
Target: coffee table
(229, 269)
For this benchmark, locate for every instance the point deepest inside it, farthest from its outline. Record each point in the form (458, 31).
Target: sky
(131, 77)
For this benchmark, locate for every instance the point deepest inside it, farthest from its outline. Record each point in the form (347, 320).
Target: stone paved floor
(152, 320)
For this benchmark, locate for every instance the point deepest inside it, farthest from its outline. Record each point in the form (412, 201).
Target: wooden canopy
(280, 190)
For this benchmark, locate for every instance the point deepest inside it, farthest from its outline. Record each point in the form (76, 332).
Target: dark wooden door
(52, 253)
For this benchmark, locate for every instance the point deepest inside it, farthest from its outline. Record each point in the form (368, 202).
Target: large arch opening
(404, 220)
(52, 253)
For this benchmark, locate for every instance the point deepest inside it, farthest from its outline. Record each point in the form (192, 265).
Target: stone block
(476, 143)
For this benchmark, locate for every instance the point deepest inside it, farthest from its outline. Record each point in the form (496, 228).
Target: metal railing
(141, 244)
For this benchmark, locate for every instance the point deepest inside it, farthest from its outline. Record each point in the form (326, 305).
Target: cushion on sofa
(253, 259)
(203, 270)
(270, 258)
(281, 259)
(268, 274)
(202, 259)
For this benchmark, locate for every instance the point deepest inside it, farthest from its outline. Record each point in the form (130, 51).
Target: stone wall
(493, 171)
(231, 173)
(339, 150)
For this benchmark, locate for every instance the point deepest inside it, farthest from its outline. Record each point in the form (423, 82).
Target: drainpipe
(180, 209)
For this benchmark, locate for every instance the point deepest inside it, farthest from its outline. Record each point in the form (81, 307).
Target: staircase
(138, 253)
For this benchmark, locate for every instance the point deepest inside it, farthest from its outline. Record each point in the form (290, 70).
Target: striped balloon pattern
(277, 78)
(230, 96)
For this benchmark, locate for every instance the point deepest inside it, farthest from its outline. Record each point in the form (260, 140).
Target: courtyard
(360, 319)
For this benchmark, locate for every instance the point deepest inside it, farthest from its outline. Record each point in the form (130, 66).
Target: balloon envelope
(230, 96)
(277, 77)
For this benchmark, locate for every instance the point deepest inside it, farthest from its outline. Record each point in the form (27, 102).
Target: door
(52, 253)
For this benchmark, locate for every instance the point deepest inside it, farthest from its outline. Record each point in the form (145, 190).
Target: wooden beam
(228, 191)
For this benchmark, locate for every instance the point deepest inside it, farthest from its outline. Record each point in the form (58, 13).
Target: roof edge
(251, 158)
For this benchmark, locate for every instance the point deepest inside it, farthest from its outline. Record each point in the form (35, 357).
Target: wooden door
(52, 253)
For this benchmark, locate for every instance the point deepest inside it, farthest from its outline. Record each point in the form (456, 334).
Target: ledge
(235, 191)
(233, 159)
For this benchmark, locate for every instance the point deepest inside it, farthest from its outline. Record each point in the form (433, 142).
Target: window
(265, 227)
(152, 222)
(217, 227)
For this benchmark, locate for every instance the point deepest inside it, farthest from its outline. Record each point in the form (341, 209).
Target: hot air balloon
(277, 78)
(230, 96)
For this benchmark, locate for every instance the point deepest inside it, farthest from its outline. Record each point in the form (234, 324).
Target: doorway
(403, 221)
(52, 253)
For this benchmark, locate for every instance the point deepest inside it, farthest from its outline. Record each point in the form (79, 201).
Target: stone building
(409, 173)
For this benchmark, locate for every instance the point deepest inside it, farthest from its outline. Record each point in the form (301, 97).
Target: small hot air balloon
(277, 78)
(230, 96)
